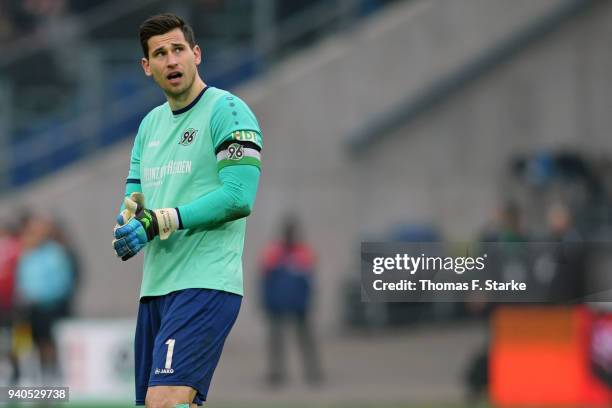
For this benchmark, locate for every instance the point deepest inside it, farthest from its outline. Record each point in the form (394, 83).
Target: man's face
(172, 62)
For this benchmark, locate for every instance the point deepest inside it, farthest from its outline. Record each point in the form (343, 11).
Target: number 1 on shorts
(170, 344)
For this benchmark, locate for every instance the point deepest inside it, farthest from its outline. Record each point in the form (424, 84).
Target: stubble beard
(177, 94)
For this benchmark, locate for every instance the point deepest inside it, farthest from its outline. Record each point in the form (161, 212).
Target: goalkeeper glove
(123, 217)
(142, 226)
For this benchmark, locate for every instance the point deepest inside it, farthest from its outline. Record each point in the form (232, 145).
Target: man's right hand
(123, 217)
(127, 214)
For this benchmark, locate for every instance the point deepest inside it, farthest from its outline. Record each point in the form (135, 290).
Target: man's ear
(145, 66)
(197, 51)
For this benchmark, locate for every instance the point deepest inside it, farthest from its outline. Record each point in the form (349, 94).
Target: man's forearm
(232, 200)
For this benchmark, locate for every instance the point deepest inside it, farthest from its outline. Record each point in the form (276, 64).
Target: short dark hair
(161, 24)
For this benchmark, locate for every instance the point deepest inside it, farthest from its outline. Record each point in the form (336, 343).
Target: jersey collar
(192, 104)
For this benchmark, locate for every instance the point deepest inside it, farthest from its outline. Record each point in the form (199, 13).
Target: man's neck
(186, 98)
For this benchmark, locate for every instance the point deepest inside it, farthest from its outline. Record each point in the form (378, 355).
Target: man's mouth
(174, 75)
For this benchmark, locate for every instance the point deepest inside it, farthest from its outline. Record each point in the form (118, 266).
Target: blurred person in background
(507, 225)
(10, 249)
(560, 221)
(505, 228)
(567, 278)
(20, 18)
(60, 235)
(44, 281)
(43, 10)
(7, 27)
(287, 280)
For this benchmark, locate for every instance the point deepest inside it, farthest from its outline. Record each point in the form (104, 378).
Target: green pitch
(286, 405)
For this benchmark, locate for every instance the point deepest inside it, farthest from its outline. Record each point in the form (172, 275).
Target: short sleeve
(235, 132)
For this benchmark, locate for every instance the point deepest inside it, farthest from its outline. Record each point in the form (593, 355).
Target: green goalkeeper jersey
(176, 159)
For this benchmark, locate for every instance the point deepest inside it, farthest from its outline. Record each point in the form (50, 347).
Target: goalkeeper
(193, 176)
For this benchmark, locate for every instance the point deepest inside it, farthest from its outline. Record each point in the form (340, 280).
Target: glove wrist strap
(167, 221)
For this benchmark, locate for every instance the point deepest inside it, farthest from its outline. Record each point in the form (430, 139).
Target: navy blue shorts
(179, 339)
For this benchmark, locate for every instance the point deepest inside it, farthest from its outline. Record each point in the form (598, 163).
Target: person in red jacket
(287, 269)
(10, 250)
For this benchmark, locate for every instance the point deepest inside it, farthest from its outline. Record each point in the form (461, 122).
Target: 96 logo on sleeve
(235, 151)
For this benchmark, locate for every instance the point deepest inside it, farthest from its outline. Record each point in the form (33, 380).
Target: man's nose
(172, 60)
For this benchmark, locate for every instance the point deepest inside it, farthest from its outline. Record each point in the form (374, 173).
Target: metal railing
(433, 94)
